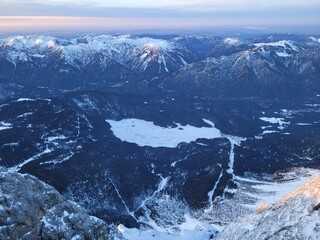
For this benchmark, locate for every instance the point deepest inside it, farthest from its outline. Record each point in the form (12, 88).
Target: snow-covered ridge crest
(284, 48)
(314, 39)
(128, 40)
(135, 53)
(310, 189)
(25, 42)
(295, 216)
(28, 42)
(286, 44)
(232, 41)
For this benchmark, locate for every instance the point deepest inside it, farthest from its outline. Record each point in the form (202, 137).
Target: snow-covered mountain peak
(283, 48)
(96, 43)
(51, 44)
(232, 41)
(127, 40)
(10, 42)
(314, 39)
(28, 42)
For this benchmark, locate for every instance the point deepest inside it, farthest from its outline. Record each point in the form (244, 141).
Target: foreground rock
(296, 216)
(31, 209)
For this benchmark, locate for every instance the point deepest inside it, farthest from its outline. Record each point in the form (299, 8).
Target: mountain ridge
(211, 66)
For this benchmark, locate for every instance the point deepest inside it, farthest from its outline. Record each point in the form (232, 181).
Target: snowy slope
(295, 216)
(282, 48)
(293, 199)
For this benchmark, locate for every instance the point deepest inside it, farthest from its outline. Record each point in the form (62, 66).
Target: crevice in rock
(317, 207)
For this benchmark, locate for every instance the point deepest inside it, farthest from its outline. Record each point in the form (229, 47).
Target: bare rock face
(31, 209)
(295, 216)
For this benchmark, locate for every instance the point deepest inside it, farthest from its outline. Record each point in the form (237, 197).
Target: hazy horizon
(162, 16)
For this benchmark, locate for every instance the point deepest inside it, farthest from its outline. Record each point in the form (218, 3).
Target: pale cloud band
(72, 25)
(194, 5)
(122, 15)
(103, 23)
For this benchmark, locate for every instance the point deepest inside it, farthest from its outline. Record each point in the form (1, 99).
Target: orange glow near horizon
(35, 24)
(67, 24)
(67, 20)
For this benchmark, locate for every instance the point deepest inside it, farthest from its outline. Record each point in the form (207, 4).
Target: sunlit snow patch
(283, 54)
(25, 100)
(280, 121)
(232, 41)
(5, 126)
(304, 124)
(191, 229)
(31, 100)
(270, 192)
(145, 133)
(33, 158)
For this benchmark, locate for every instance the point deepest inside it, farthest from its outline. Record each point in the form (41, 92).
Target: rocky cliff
(31, 209)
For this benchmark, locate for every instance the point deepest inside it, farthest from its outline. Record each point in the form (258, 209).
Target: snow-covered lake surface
(145, 133)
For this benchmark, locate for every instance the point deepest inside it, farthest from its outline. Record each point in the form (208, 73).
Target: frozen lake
(146, 133)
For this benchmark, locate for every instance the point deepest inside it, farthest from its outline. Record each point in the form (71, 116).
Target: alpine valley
(162, 137)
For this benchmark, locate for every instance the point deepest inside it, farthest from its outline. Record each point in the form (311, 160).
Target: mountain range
(168, 136)
(268, 66)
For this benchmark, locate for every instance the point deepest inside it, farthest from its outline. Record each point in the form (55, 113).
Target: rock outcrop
(295, 216)
(31, 209)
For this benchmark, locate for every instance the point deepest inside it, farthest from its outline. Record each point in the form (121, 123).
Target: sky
(70, 16)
